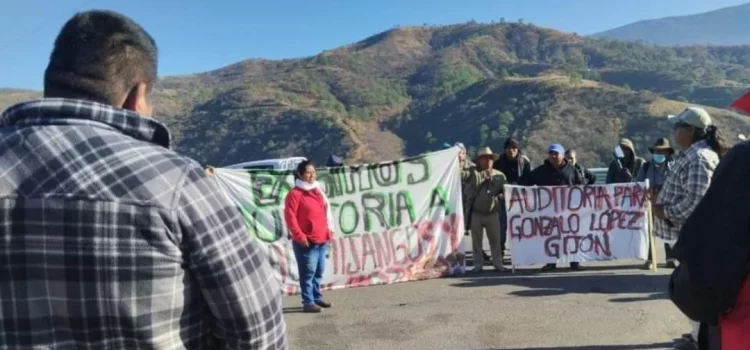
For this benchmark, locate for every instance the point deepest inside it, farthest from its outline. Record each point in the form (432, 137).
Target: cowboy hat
(486, 152)
(661, 144)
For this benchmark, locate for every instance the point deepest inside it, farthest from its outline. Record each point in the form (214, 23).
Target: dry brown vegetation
(408, 90)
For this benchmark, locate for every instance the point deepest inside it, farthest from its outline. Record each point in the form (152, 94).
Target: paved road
(608, 306)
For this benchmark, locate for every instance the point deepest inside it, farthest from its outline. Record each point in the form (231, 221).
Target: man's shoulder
(496, 172)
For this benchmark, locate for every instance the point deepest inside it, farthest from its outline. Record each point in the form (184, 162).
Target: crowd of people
(114, 241)
(484, 179)
(678, 180)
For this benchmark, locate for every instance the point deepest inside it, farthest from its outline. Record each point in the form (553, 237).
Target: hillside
(726, 26)
(408, 90)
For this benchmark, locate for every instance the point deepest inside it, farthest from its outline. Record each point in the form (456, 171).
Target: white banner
(548, 224)
(395, 221)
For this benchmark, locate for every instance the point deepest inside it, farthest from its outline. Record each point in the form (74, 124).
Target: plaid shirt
(112, 241)
(686, 183)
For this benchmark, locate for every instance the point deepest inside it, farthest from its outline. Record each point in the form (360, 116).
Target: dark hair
(570, 151)
(301, 168)
(100, 56)
(715, 140)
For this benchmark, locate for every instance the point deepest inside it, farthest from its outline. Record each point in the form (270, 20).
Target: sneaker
(323, 304)
(549, 267)
(671, 264)
(311, 309)
(576, 267)
(647, 266)
(500, 269)
(477, 270)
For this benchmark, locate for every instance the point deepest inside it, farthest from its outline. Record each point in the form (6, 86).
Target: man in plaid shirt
(109, 239)
(688, 179)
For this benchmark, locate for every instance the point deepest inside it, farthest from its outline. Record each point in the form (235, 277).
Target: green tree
(484, 134)
(503, 74)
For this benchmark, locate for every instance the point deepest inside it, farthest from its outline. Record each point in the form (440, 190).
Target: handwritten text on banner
(577, 223)
(395, 221)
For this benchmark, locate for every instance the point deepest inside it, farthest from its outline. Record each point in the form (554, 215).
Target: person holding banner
(514, 165)
(689, 177)
(625, 166)
(308, 214)
(556, 171)
(656, 171)
(484, 186)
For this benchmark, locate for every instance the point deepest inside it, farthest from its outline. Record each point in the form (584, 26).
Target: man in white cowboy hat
(484, 187)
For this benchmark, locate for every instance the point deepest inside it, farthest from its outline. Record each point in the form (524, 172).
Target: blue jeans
(311, 262)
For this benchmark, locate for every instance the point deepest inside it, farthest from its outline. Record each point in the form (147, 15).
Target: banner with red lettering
(396, 221)
(577, 223)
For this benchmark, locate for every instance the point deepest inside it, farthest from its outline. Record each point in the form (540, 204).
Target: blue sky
(196, 36)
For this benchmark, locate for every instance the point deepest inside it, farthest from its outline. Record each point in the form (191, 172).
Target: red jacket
(305, 215)
(734, 325)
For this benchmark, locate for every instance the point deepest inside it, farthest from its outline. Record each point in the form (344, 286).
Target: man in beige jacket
(484, 190)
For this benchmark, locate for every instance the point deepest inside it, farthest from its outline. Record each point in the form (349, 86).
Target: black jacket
(548, 175)
(513, 169)
(586, 174)
(714, 243)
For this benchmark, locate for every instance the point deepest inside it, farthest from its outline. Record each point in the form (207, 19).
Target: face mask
(659, 158)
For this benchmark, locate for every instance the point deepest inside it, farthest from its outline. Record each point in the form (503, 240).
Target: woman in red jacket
(308, 215)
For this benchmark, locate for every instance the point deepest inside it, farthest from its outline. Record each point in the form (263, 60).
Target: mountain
(726, 26)
(407, 90)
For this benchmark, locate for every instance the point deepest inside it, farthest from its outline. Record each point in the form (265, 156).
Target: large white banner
(548, 224)
(395, 221)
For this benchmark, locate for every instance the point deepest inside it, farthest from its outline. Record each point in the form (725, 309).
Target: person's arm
(232, 271)
(612, 172)
(698, 179)
(526, 166)
(528, 179)
(291, 204)
(499, 186)
(641, 176)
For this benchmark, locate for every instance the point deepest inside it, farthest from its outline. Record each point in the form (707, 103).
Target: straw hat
(486, 152)
(661, 144)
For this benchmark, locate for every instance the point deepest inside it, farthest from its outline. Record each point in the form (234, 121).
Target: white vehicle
(270, 164)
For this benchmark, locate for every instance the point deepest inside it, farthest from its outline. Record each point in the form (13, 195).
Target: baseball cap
(556, 147)
(694, 116)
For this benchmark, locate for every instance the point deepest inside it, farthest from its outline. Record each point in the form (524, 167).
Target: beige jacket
(483, 190)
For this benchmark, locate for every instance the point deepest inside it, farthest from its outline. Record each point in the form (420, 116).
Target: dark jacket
(548, 175)
(622, 172)
(586, 174)
(513, 169)
(714, 243)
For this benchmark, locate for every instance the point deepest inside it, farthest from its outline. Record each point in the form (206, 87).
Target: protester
(334, 161)
(622, 170)
(714, 248)
(572, 157)
(137, 246)
(309, 217)
(484, 187)
(514, 165)
(688, 178)
(656, 171)
(556, 171)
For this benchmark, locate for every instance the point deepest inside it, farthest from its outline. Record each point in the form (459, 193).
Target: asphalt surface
(609, 305)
